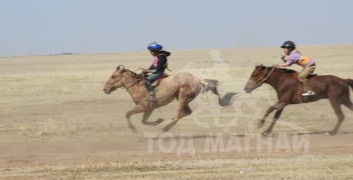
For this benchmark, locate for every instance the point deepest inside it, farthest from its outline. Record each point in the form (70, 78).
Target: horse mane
(284, 70)
(133, 74)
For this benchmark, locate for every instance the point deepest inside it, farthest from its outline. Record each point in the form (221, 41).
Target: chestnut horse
(184, 87)
(289, 91)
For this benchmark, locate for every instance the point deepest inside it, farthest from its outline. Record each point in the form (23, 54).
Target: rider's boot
(308, 91)
(151, 93)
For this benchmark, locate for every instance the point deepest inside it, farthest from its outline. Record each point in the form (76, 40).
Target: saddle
(309, 77)
(156, 82)
(312, 75)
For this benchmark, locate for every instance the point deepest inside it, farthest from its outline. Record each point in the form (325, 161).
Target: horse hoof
(165, 129)
(159, 133)
(265, 134)
(332, 133)
(133, 129)
(159, 121)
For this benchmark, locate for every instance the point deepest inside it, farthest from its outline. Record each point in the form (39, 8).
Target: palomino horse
(289, 91)
(184, 87)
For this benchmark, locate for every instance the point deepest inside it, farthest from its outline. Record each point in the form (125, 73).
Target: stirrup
(309, 93)
(152, 99)
(151, 96)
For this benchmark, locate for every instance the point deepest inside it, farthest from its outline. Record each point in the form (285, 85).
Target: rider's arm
(282, 65)
(151, 69)
(291, 60)
(286, 64)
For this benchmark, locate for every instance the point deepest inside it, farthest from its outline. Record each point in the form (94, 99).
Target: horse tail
(212, 85)
(350, 82)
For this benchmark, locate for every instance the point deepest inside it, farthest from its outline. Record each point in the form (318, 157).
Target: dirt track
(56, 121)
(30, 159)
(58, 153)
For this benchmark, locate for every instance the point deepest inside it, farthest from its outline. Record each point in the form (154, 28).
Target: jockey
(156, 70)
(293, 56)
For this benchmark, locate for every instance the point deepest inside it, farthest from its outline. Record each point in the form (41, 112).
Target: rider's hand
(144, 71)
(283, 58)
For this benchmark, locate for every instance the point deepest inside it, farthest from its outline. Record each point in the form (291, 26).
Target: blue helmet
(154, 46)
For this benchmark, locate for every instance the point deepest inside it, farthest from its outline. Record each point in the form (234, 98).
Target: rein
(264, 78)
(127, 86)
(138, 80)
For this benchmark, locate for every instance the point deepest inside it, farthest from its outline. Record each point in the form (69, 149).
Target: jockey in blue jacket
(156, 70)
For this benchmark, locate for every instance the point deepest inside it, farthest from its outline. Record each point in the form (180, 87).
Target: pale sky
(40, 27)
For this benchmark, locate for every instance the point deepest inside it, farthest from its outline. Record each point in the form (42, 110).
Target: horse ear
(258, 65)
(120, 67)
(263, 67)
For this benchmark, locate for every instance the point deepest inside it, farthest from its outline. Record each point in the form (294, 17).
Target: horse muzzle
(249, 89)
(106, 91)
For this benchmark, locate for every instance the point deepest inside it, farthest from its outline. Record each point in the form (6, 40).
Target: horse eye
(253, 75)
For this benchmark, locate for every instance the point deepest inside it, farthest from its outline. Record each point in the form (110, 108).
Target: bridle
(123, 85)
(127, 87)
(264, 77)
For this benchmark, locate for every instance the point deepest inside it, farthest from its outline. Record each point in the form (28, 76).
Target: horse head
(115, 81)
(256, 78)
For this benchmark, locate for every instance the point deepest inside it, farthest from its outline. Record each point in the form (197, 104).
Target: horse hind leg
(186, 95)
(183, 111)
(186, 111)
(348, 103)
(336, 105)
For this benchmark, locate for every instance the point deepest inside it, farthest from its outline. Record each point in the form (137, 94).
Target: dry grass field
(56, 122)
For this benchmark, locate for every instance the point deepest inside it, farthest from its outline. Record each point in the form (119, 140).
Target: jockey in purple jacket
(293, 56)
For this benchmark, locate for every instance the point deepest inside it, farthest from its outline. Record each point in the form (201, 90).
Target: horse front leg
(278, 105)
(135, 110)
(146, 115)
(275, 118)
